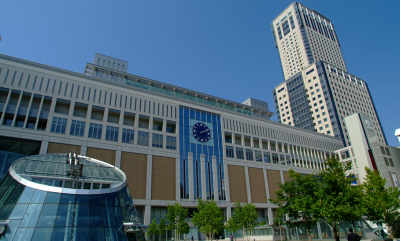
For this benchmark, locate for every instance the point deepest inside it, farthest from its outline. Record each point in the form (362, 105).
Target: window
(112, 133)
(326, 119)
(127, 136)
(95, 131)
(319, 122)
(143, 138)
(321, 128)
(229, 152)
(239, 153)
(157, 140)
(327, 125)
(258, 156)
(267, 157)
(275, 158)
(58, 125)
(171, 143)
(77, 128)
(249, 154)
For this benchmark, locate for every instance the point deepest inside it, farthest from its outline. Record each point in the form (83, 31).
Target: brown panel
(163, 184)
(237, 184)
(257, 185)
(274, 177)
(286, 177)
(135, 167)
(62, 148)
(102, 155)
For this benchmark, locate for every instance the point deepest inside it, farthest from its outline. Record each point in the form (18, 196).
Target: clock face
(201, 132)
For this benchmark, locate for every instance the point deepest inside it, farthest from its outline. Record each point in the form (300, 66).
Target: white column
(118, 154)
(246, 173)
(203, 176)
(148, 176)
(266, 185)
(215, 178)
(226, 184)
(190, 176)
(178, 177)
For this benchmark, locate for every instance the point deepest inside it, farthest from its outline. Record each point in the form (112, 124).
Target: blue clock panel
(200, 133)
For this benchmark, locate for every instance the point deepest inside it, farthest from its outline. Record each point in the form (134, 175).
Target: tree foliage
(297, 199)
(162, 227)
(176, 219)
(209, 218)
(153, 228)
(243, 218)
(382, 204)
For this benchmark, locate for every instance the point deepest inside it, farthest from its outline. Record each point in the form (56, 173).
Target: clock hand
(203, 131)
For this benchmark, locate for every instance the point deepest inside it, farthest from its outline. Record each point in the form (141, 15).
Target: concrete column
(190, 176)
(228, 213)
(282, 179)
(44, 145)
(148, 177)
(84, 147)
(266, 185)
(203, 176)
(270, 216)
(147, 214)
(226, 185)
(319, 230)
(178, 177)
(17, 107)
(118, 154)
(246, 173)
(215, 178)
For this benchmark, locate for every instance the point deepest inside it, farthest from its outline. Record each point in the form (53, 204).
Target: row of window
(95, 131)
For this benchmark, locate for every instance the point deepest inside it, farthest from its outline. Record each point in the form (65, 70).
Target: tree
(334, 201)
(209, 218)
(382, 204)
(176, 219)
(162, 227)
(278, 221)
(243, 218)
(356, 200)
(153, 228)
(297, 199)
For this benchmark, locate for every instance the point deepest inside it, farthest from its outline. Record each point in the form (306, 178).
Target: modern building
(173, 144)
(368, 151)
(318, 92)
(65, 197)
(304, 36)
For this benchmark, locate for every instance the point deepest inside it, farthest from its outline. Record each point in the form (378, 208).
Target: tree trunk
(308, 234)
(354, 226)
(335, 232)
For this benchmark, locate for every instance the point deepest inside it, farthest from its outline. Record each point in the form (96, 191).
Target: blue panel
(205, 150)
(39, 196)
(42, 234)
(23, 234)
(198, 115)
(82, 199)
(65, 215)
(26, 195)
(48, 215)
(111, 234)
(186, 112)
(53, 197)
(192, 114)
(67, 198)
(97, 234)
(11, 229)
(19, 211)
(203, 117)
(95, 199)
(31, 215)
(96, 217)
(192, 147)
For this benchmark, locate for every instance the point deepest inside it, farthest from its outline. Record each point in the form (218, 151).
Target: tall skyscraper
(303, 36)
(318, 92)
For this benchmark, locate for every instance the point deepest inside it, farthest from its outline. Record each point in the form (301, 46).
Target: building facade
(173, 144)
(318, 92)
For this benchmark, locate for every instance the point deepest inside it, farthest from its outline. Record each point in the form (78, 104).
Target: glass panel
(106, 199)
(65, 215)
(95, 199)
(26, 195)
(60, 232)
(5, 211)
(82, 233)
(11, 228)
(31, 215)
(82, 215)
(109, 219)
(23, 234)
(111, 233)
(97, 234)
(118, 213)
(48, 215)
(18, 211)
(53, 197)
(82, 199)
(42, 234)
(67, 198)
(39, 196)
(96, 217)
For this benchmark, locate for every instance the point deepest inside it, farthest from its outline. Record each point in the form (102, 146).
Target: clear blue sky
(223, 48)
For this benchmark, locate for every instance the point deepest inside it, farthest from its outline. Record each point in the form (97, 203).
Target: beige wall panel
(62, 148)
(102, 155)
(257, 185)
(286, 177)
(163, 185)
(274, 177)
(237, 184)
(135, 168)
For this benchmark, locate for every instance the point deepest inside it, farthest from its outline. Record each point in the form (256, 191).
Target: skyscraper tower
(303, 36)
(318, 92)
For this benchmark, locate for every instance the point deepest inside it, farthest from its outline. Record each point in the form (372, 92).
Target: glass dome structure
(65, 197)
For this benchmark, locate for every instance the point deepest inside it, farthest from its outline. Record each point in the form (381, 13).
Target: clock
(201, 132)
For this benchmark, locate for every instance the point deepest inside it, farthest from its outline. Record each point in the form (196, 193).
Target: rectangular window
(249, 155)
(229, 152)
(95, 131)
(143, 138)
(239, 153)
(77, 128)
(157, 140)
(128, 135)
(171, 143)
(267, 157)
(112, 133)
(259, 157)
(58, 125)
(275, 158)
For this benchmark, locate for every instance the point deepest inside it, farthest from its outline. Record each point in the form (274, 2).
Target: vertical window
(229, 152)
(77, 128)
(95, 131)
(127, 136)
(239, 153)
(249, 155)
(112, 133)
(171, 142)
(143, 138)
(157, 140)
(258, 156)
(58, 125)
(267, 157)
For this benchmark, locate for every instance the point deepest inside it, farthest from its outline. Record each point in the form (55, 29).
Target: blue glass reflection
(31, 215)
(83, 199)
(95, 199)
(97, 234)
(26, 195)
(81, 215)
(65, 215)
(11, 229)
(18, 211)
(42, 234)
(53, 197)
(96, 217)
(48, 216)
(23, 234)
(67, 198)
(39, 196)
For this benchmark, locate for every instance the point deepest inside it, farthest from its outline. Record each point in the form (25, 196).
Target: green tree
(153, 228)
(356, 201)
(209, 218)
(334, 194)
(176, 219)
(243, 218)
(297, 199)
(162, 228)
(279, 221)
(382, 204)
